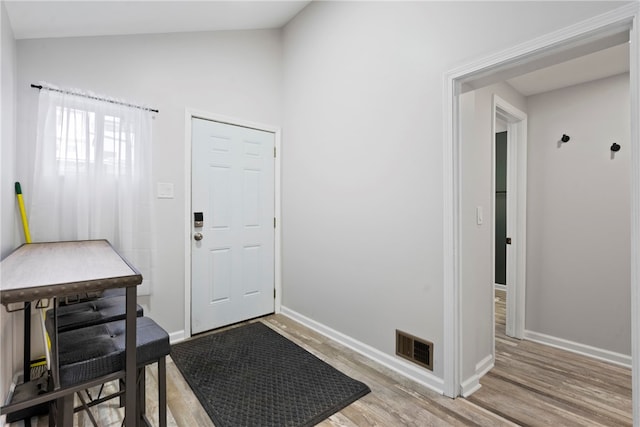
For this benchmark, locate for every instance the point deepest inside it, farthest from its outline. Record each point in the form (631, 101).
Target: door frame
(199, 114)
(547, 49)
(516, 121)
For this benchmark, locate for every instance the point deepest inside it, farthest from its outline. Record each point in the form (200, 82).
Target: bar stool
(89, 313)
(107, 293)
(86, 354)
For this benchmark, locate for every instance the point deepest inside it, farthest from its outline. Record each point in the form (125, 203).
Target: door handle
(198, 236)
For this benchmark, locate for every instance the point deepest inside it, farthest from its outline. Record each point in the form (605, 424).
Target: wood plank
(535, 384)
(528, 408)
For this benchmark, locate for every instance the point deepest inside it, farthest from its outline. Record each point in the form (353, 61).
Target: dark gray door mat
(252, 376)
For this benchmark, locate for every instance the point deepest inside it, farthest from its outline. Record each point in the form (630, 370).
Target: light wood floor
(533, 384)
(530, 385)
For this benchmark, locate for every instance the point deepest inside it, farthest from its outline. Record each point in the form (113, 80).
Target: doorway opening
(606, 30)
(510, 211)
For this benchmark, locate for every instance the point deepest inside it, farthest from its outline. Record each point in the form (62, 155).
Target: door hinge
(274, 222)
(274, 293)
(274, 151)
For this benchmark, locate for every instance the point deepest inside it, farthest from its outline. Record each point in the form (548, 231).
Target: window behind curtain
(84, 138)
(92, 176)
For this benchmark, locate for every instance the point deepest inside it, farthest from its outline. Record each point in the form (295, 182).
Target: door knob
(198, 236)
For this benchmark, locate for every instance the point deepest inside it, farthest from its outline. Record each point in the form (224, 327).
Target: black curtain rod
(39, 87)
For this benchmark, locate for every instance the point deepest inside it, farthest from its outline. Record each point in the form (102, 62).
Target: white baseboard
(484, 366)
(176, 337)
(499, 287)
(396, 364)
(583, 349)
(472, 384)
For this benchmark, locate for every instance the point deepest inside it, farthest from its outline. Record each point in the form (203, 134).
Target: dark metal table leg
(142, 396)
(55, 367)
(27, 351)
(64, 411)
(162, 392)
(131, 418)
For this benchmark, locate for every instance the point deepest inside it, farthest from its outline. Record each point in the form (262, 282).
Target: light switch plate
(164, 190)
(479, 215)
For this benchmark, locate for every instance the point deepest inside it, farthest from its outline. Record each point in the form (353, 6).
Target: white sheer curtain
(92, 176)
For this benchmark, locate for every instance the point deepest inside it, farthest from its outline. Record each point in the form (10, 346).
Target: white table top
(44, 270)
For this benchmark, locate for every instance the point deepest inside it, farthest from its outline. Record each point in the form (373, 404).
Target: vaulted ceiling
(44, 19)
(77, 18)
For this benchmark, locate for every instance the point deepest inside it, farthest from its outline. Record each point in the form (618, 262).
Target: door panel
(232, 266)
(501, 209)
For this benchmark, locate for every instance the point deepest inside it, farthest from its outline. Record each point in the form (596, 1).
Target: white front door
(232, 251)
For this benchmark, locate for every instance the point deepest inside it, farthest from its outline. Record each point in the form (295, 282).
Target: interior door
(232, 252)
(501, 209)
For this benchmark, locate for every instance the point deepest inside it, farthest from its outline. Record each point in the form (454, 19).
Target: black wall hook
(565, 138)
(615, 147)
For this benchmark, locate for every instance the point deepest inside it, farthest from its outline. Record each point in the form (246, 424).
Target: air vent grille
(414, 349)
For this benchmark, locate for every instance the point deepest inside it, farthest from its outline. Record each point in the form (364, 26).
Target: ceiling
(77, 18)
(597, 65)
(44, 19)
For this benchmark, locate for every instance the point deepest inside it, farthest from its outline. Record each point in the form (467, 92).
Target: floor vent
(414, 349)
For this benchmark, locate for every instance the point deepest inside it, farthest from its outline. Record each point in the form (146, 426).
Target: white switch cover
(479, 215)
(164, 190)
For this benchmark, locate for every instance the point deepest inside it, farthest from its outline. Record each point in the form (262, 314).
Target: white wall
(236, 74)
(8, 239)
(362, 155)
(477, 282)
(578, 210)
(7, 178)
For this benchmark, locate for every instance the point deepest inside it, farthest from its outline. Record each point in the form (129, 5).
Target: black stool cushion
(91, 296)
(92, 352)
(89, 313)
(114, 292)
